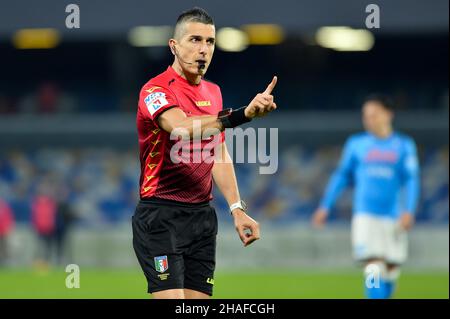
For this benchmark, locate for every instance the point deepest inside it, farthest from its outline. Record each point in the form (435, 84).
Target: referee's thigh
(200, 258)
(200, 265)
(155, 248)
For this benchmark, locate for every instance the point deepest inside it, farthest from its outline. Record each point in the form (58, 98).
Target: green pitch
(274, 284)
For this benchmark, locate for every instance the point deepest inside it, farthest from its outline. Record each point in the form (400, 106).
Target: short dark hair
(195, 14)
(382, 99)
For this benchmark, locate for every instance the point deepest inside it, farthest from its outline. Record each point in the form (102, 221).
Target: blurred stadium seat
(103, 183)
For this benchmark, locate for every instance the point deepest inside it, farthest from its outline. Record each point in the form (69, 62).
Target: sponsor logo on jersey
(155, 101)
(203, 103)
(161, 264)
(380, 171)
(376, 155)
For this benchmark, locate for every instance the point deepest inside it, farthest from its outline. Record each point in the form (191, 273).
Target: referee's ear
(172, 43)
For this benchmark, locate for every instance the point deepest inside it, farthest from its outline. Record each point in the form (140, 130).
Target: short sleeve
(154, 100)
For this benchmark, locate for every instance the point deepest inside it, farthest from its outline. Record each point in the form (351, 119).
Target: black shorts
(175, 244)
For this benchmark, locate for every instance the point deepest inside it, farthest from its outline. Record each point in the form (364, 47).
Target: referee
(174, 226)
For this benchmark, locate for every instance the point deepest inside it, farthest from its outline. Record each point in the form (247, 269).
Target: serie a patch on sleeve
(154, 101)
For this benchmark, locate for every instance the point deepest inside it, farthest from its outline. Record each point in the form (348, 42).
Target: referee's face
(196, 46)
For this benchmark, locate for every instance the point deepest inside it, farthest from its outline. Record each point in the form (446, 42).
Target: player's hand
(406, 221)
(319, 218)
(247, 227)
(263, 102)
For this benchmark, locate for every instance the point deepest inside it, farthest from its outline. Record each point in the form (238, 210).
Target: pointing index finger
(271, 86)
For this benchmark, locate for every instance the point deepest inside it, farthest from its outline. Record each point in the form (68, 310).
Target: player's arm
(175, 120)
(225, 179)
(412, 185)
(338, 182)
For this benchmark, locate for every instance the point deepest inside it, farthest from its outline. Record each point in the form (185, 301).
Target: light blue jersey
(379, 169)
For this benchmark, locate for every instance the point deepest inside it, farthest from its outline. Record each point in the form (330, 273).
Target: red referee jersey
(191, 181)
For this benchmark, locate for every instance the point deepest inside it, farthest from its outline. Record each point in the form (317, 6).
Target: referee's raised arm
(175, 120)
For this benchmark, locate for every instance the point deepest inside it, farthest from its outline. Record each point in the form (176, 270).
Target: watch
(240, 204)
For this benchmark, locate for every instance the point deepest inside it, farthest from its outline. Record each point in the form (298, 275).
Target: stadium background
(67, 122)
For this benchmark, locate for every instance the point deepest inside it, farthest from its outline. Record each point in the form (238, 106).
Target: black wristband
(234, 118)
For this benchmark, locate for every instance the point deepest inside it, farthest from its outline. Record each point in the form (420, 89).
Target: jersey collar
(178, 77)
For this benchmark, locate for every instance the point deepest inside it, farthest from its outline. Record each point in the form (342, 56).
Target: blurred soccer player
(174, 226)
(6, 227)
(380, 164)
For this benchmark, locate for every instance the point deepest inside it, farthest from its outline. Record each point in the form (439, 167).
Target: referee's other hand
(247, 227)
(263, 103)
